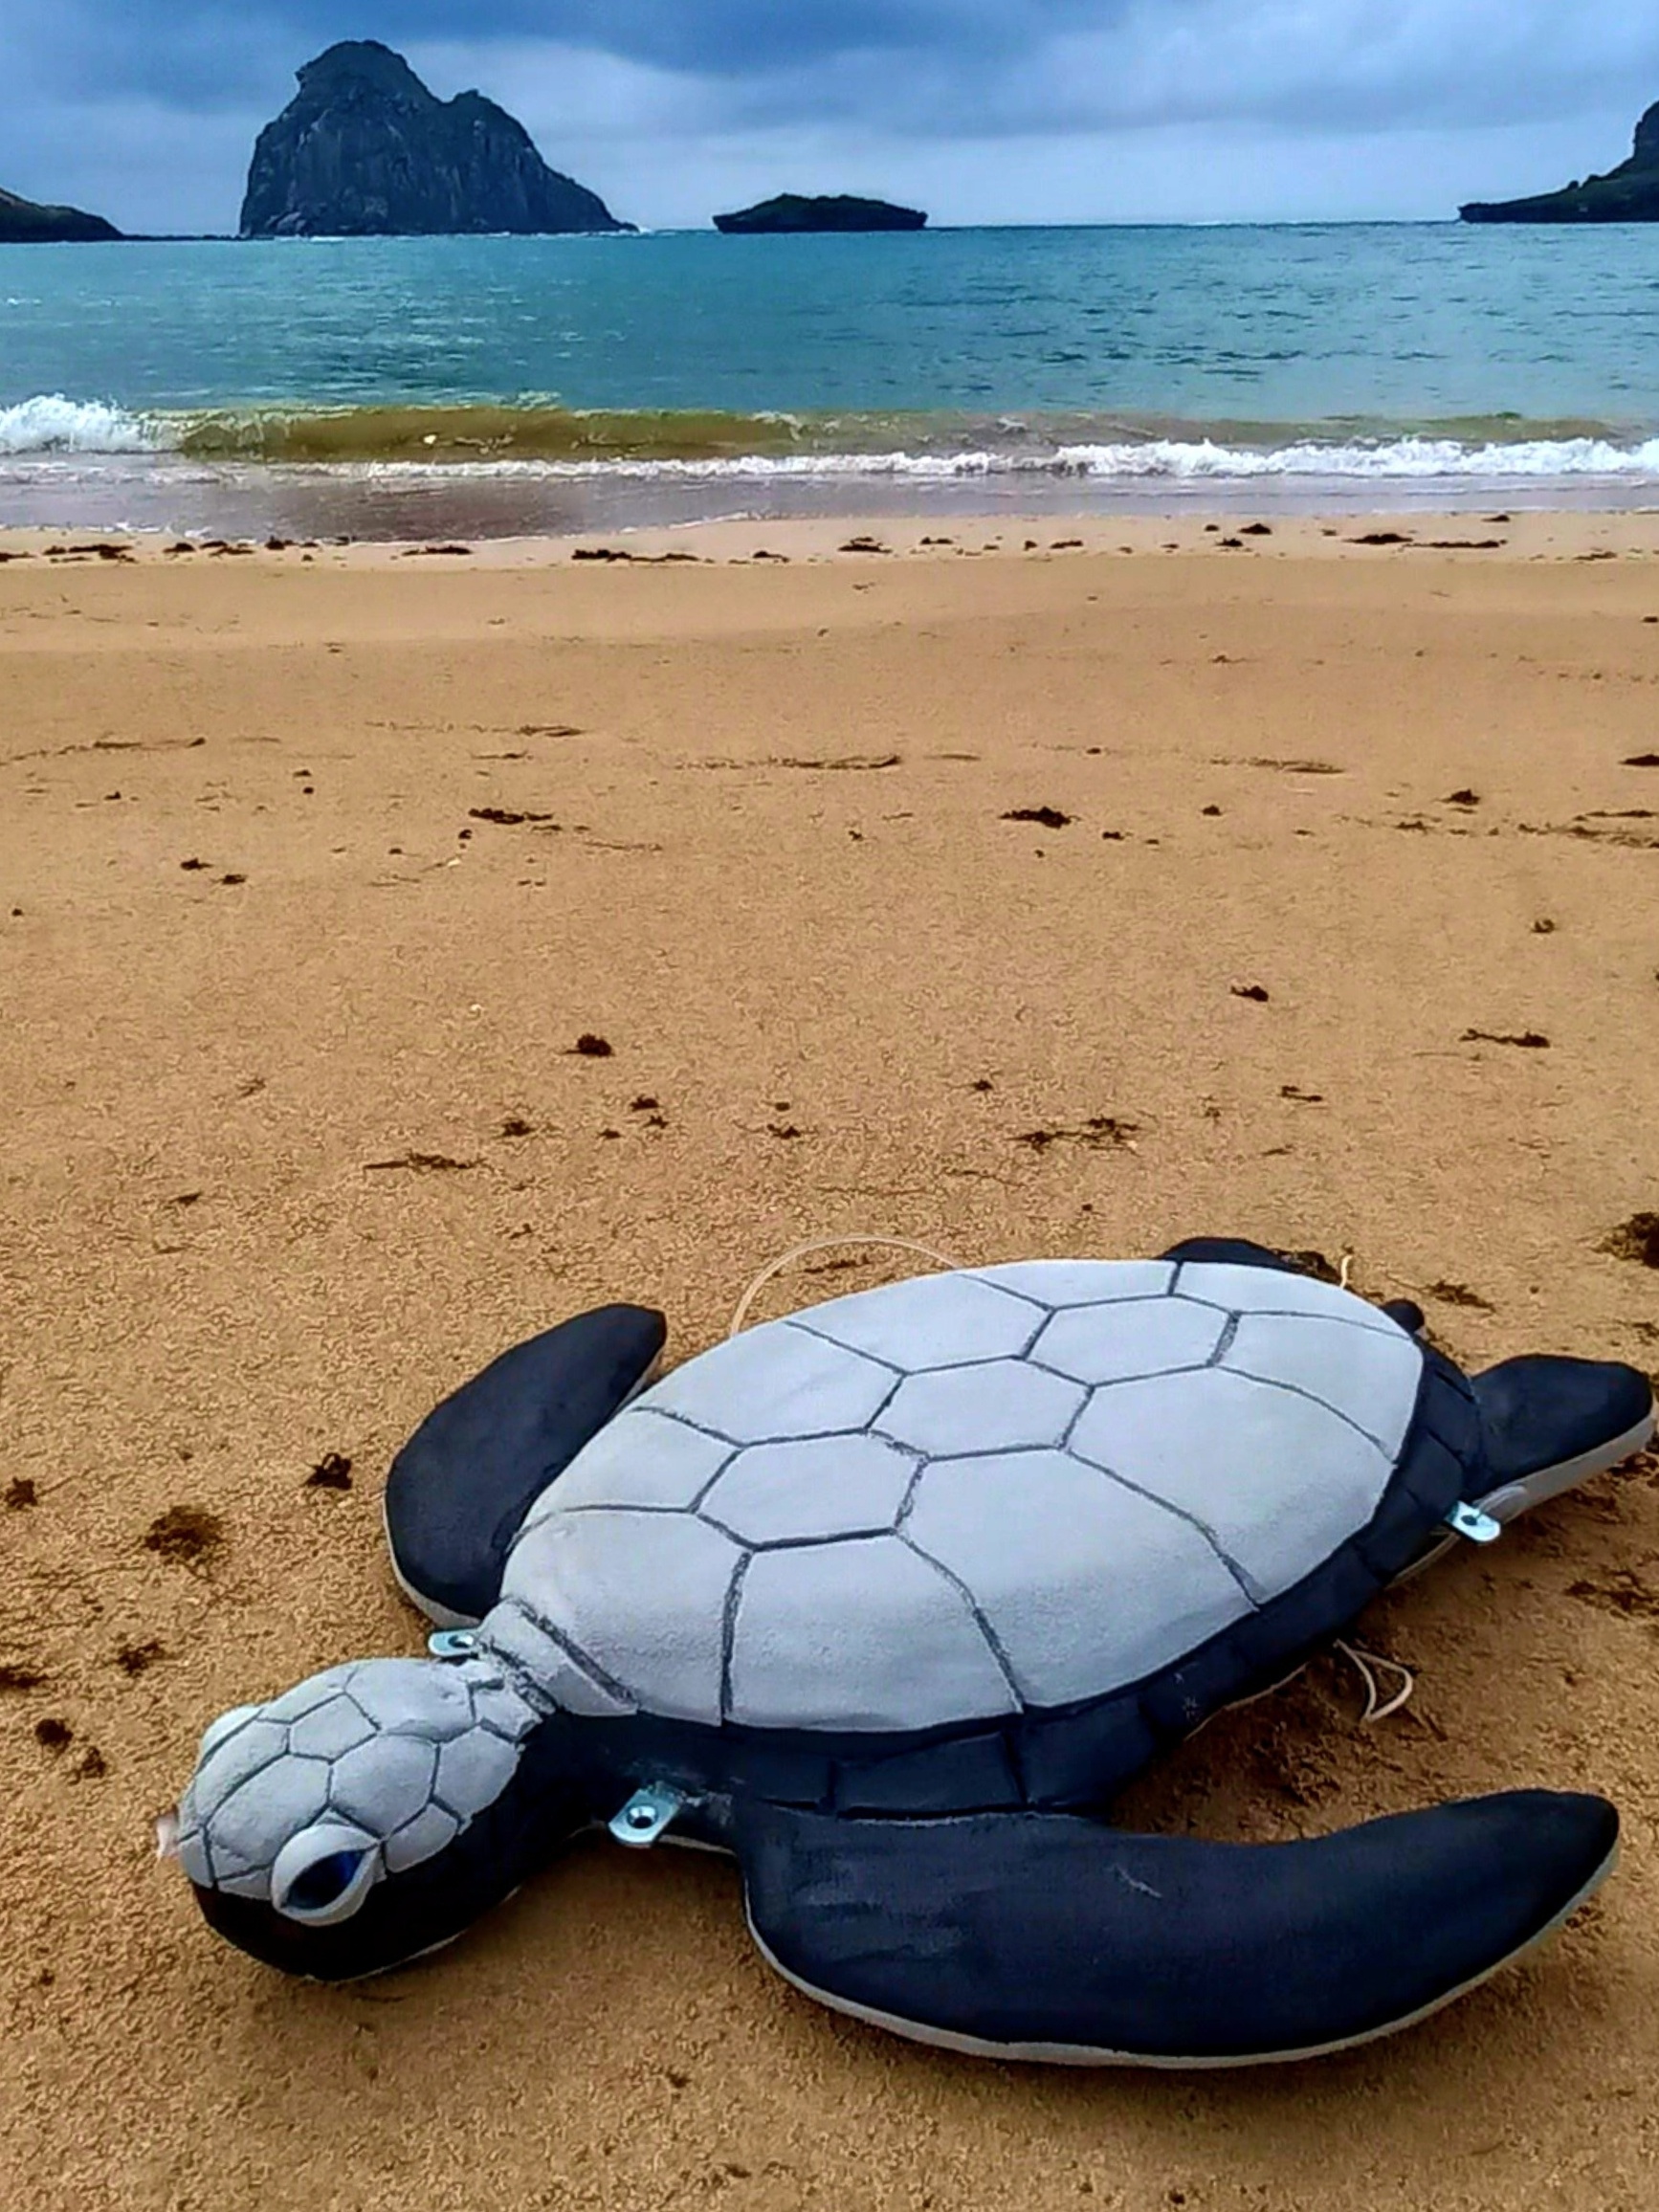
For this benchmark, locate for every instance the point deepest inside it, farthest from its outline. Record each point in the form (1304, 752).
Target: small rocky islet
(793, 212)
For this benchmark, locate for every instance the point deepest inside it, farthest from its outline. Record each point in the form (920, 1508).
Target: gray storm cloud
(1101, 108)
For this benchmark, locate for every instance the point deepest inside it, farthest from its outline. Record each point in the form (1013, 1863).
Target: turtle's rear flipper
(1551, 1424)
(461, 1485)
(1038, 1936)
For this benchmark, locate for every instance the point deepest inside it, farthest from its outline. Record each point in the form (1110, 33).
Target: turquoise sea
(532, 383)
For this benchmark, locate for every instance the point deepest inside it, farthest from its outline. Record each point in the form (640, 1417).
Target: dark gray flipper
(1550, 1423)
(459, 1488)
(1043, 1936)
(1231, 1252)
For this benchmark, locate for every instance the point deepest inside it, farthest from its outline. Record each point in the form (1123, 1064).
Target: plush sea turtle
(886, 1600)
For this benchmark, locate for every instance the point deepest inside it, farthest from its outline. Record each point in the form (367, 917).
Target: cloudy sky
(980, 110)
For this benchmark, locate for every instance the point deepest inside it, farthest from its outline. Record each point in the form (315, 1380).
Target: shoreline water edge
(547, 383)
(490, 470)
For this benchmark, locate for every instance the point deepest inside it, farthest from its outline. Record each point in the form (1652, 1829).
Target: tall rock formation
(22, 222)
(1627, 194)
(365, 150)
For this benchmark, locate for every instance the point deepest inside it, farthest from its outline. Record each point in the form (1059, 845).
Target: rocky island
(1627, 194)
(838, 212)
(365, 150)
(24, 223)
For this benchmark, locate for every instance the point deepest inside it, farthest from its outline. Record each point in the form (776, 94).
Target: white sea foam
(50, 423)
(1412, 459)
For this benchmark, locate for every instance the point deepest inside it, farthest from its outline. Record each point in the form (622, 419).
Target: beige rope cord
(827, 1243)
(1369, 1664)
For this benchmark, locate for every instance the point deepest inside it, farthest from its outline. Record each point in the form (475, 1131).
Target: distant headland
(1627, 194)
(25, 223)
(838, 211)
(365, 150)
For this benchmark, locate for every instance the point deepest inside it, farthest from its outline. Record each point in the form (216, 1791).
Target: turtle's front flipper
(1550, 1423)
(1038, 1936)
(461, 1485)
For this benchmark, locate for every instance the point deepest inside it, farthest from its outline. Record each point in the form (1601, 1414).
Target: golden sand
(313, 872)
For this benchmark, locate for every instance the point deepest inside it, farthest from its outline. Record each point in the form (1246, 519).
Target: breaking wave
(563, 441)
(543, 438)
(48, 423)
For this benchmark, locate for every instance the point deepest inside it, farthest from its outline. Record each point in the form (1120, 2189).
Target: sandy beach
(1017, 888)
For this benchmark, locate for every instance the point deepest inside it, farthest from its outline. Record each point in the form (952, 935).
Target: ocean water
(390, 387)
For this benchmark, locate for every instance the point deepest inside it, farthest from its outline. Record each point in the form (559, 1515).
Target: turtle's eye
(324, 1883)
(322, 1876)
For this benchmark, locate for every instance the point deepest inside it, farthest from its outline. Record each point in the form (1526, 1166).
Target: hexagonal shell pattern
(1058, 1283)
(776, 1383)
(414, 1694)
(336, 1727)
(939, 1321)
(1140, 1336)
(1201, 1442)
(384, 1784)
(1271, 1291)
(473, 1772)
(1044, 1579)
(423, 1837)
(641, 1458)
(306, 1696)
(249, 1752)
(1369, 1374)
(1131, 1589)
(862, 1635)
(248, 1828)
(822, 1487)
(1005, 1405)
(643, 1595)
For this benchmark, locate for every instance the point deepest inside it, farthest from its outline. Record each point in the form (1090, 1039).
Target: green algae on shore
(482, 433)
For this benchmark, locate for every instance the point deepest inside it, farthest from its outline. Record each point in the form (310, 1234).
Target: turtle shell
(981, 1497)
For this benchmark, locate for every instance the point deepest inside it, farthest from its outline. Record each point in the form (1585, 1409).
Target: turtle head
(362, 1819)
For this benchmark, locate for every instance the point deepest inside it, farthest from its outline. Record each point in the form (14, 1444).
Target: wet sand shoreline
(1250, 524)
(393, 504)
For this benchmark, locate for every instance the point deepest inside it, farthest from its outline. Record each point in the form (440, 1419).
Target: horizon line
(707, 229)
